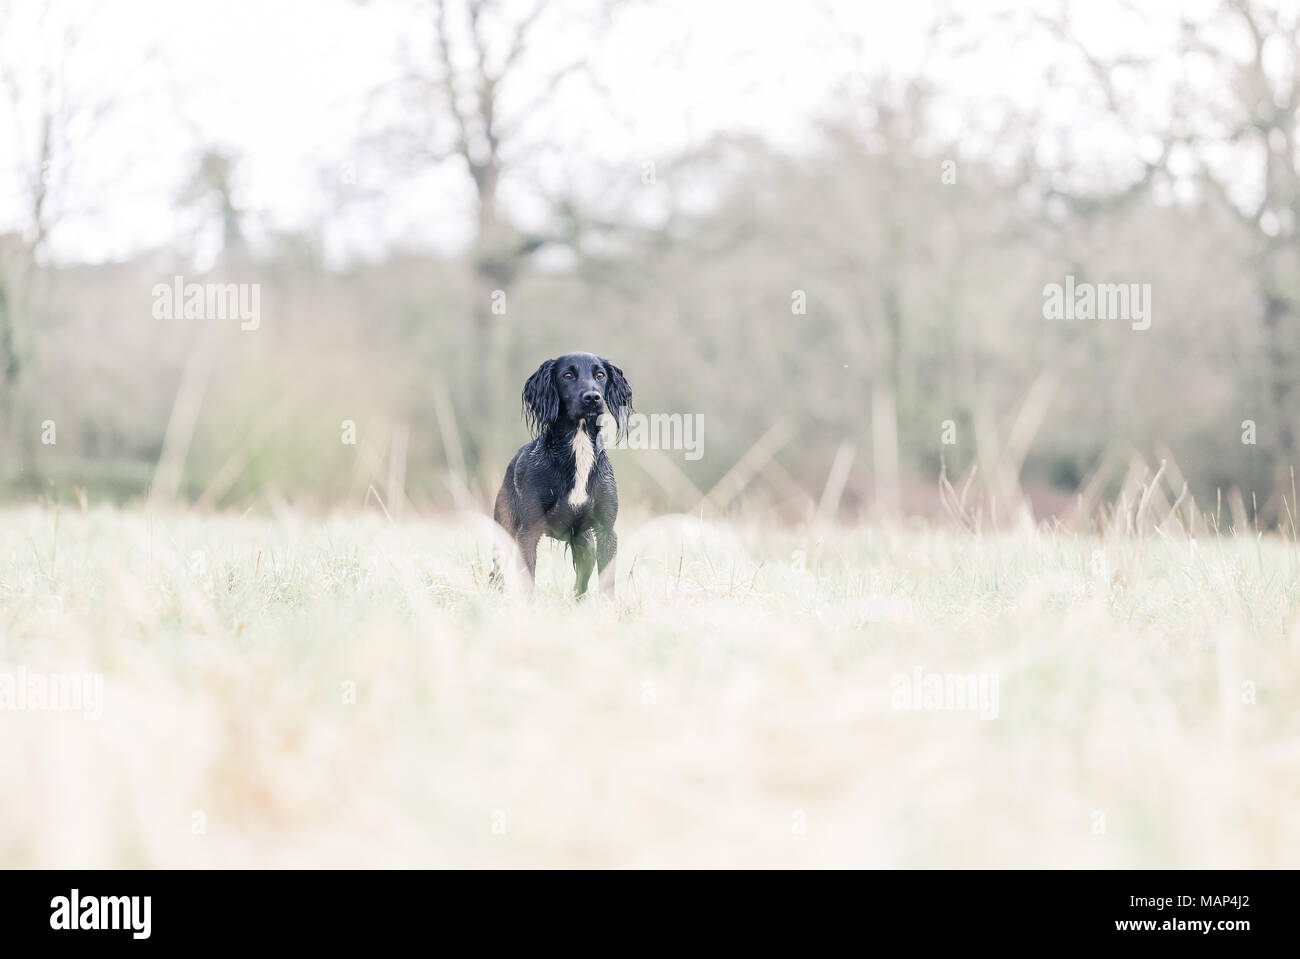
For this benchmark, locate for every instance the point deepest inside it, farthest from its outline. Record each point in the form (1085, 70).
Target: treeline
(869, 323)
(882, 299)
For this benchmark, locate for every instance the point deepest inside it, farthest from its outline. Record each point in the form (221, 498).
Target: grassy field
(285, 690)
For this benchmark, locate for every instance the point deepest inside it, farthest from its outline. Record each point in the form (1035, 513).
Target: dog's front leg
(606, 552)
(584, 560)
(528, 539)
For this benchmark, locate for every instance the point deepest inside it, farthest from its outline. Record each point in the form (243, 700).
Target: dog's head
(573, 387)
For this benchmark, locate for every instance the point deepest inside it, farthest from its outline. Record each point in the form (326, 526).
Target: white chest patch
(584, 457)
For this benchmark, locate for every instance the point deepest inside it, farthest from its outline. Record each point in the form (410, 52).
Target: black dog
(562, 483)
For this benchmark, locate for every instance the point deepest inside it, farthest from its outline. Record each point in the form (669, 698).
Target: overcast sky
(289, 86)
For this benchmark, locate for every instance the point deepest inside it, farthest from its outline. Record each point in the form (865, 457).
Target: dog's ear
(618, 395)
(541, 399)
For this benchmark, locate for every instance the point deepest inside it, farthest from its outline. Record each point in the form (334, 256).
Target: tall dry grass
(733, 705)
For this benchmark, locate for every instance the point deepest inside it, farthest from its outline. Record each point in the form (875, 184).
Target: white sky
(288, 85)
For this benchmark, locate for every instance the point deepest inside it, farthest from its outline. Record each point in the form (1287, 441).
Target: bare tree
(47, 116)
(1249, 121)
(211, 188)
(488, 79)
(1234, 137)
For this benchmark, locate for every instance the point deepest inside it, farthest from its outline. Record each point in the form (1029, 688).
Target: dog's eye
(600, 375)
(569, 374)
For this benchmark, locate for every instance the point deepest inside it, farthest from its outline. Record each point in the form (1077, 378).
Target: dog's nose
(591, 398)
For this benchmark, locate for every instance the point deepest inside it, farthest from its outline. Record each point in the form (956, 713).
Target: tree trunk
(489, 390)
(1278, 320)
(884, 448)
